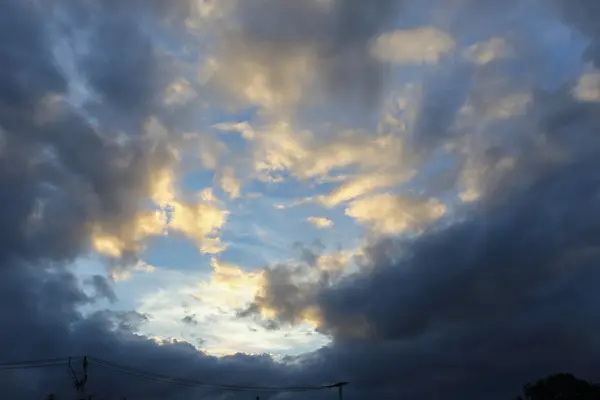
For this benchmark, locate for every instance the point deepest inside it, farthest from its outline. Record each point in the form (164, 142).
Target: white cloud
(179, 92)
(213, 300)
(320, 222)
(228, 181)
(485, 52)
(420, 45)
(588, 87)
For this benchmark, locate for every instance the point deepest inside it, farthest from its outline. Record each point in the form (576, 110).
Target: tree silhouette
(560, 387)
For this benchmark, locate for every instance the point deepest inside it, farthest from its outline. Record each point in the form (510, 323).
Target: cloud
(199, 220)
(190, 320)
(119, 273)
(179, 92)
(229, 285)
(582, 14)
(278, 148)
(287, 292)
(320, 222)
(229, 183)
(315, 55)
(419, 45)
(362, 185)
(389, 214)
(102, 288)
(485, 288)
(588, 87)
(488, 51)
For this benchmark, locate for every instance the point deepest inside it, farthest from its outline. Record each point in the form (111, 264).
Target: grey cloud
(102, 288)
(271, 32)
(190, 320)
(583, 15)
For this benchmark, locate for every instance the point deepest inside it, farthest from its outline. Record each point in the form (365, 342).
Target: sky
(402, 195)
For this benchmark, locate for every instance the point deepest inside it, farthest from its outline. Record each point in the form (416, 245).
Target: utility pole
(78, 383)
(340, 386)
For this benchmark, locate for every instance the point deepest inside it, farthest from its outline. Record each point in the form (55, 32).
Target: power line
(194, 383)
(155, 377)
(51, 362)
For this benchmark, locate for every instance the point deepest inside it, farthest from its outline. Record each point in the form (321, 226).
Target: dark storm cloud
(480, 307)
(507, 294)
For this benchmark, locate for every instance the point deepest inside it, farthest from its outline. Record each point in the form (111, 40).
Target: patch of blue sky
(432, 175)
(562, 52)
(339, 114)
(233, 139)
(288, 188)
(258, 234)
(254, 222)
(197, 180)
(86, 268)
(344, 229)
(320, 186)
(174, 252)
(129, 291)
(414, 15)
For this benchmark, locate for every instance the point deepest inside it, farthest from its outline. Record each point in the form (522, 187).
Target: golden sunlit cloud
(390, 214)
(229, 285)
(320, 222)
(129, 239)
(362, 185)
(279, 148)
(199, 220)
(121, 274)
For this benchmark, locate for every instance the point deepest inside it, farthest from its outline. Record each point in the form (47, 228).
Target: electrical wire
(194, 383)
(51, 362)
(155, 377)
(191, 383)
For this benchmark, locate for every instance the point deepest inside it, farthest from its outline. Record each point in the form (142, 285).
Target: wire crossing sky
(159, 378)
